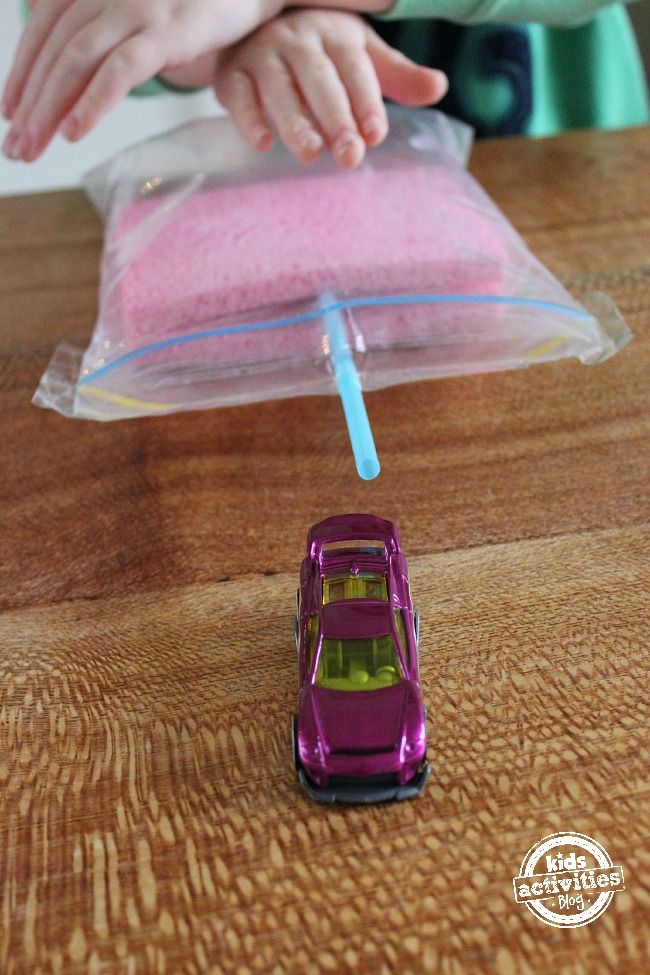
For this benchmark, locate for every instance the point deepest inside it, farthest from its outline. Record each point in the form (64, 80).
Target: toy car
(360, 733)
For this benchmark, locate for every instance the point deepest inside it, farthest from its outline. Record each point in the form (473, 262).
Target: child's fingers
(285, 109)
(128, 65)
(363, 90)
(64, 84)
(236, 91)
(325, 94)
(37, 30)
(69, 51)
(402, 79)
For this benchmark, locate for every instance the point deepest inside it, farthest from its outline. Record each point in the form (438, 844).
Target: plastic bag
(221, 266)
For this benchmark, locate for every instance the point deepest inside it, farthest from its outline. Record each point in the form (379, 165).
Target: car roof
(356, 619)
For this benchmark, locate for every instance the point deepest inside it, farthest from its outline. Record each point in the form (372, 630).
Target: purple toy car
(359, 735)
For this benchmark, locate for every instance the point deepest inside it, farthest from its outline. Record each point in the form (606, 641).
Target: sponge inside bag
(217, 260)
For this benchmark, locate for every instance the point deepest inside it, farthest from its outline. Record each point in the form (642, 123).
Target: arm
(550, 12)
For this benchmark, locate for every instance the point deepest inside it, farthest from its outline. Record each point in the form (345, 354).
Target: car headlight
(411, 748)
(313, 754)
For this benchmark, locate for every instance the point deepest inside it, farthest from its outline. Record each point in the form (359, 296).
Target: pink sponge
(254, 250)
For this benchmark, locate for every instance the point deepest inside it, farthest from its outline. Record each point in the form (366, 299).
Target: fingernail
(26, 146)
(261, 135)
(9, 146)
(21, 147)
(346, 150)
(372, 128)
(311, 141)
(30, 149)
(70, 128)
(441, 76)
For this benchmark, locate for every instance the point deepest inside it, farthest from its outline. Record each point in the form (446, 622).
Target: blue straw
(348, 385)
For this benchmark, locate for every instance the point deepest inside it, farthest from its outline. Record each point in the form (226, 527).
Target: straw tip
(368, 468)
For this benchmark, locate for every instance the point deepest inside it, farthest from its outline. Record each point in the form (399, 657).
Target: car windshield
(359, 665)
(363, 585)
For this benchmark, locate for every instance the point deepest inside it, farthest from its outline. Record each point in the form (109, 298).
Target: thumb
(402, 79)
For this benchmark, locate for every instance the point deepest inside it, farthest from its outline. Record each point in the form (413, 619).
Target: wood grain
(149, 817)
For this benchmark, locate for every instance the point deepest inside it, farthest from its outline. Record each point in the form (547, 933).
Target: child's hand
(318, 76)
(79, 58)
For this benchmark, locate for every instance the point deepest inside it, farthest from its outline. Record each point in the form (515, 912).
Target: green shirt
(583, 61)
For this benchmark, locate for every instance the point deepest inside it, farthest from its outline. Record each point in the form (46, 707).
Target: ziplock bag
(229, 276)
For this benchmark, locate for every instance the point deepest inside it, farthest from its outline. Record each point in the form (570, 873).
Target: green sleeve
(550, 12)
(158, 86)
(151, 87)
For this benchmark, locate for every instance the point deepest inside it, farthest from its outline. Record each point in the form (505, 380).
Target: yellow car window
(401, 631)
(312, 639)
(363, 585)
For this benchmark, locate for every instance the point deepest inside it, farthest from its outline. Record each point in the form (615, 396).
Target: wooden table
(150, 818)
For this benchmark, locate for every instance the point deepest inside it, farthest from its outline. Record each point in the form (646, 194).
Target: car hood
(359, 722)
